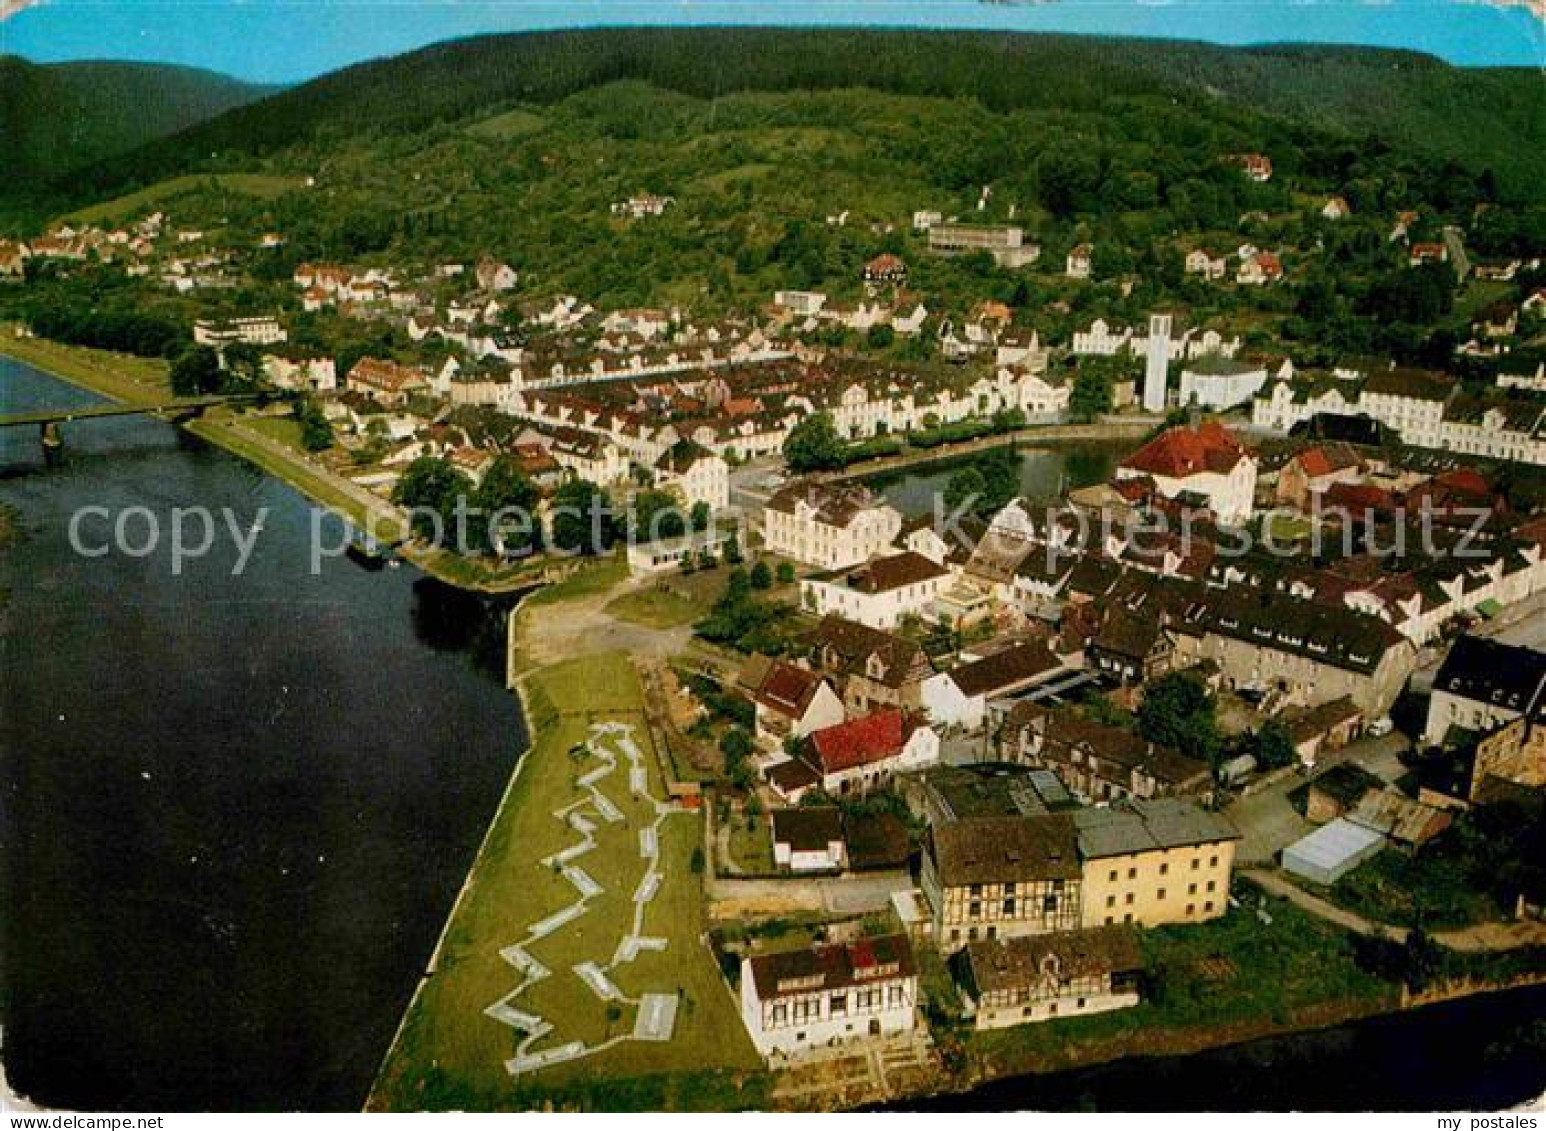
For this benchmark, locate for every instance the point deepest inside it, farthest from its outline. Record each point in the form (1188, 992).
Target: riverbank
(452, 1049)
(142, 381)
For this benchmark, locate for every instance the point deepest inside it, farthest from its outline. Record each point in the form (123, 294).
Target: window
(1049, 904)
(1208, 906)
(1191, 908)
(1212, 884)
(1196, 863)
(974, 910)
(1113, 875)
(1164, 869)
(975, 889)
(1213, 861)
(1128, 918)
(1161, 893)
(838, 1006)
(1009, 907)
(894, 995)
(1111, 901)
(1110, 919)
(1129, 899)
(1132, 873)
(780, 1014)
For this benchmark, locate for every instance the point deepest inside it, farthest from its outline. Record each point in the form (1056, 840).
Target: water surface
(234, 812)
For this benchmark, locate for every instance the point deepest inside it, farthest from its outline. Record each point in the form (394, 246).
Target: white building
(257, 331)
(796, 1001)
(1220, 383)
(668, 553)
(1483, 684)
(809, 839)
(1207, 463)
(960, 696)
(318, 374)
(696, 474)
(862, 754)
(1157, 364)
(879, 593)
(827, 526)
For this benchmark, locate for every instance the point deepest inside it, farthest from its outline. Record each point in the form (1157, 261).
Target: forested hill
(1482, 119)
(59, 117)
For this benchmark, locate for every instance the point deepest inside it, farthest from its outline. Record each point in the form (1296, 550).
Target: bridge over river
(48, 421)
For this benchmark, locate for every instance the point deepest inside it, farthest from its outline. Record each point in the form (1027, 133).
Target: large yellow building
(1149, 863)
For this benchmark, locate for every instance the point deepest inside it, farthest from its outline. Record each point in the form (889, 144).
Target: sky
(285, 41)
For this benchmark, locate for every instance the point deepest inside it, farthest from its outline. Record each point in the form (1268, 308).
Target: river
(234, 811)
(1477, 1054)
(1044, 473)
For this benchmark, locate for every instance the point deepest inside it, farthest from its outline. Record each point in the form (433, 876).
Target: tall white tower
(1157, 370)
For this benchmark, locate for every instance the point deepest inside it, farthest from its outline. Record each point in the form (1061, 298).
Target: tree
(510, 497)
(655, 515)
(1273, 746)
(1090, 396)
(430, 489)
(316, 429)
(196, 372)
(735, 744)
(965, 489)
(1178, 711)
(1067, 176)
(814, 445)
(785, 573)
(880, 336)
(702, 515)
(581, 518)
(761, 576)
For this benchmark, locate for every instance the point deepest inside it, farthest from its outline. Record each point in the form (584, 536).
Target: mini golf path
(656, 1014)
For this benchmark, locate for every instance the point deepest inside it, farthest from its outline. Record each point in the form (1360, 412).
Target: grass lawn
(511, 124)
(285, 429)
(656, 608)
(1289, 528)
(118, 376)
(751, 843)
(261, 185)
(449, 1055)
(1437, 889)
(592, 577)
(1233, 971)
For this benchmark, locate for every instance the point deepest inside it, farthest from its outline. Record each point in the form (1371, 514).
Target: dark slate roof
(1503, 675)
(1017, 963)
(1007, 850)
(1006, 670)
(809, 828)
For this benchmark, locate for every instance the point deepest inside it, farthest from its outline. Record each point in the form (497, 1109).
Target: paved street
(1269, 823)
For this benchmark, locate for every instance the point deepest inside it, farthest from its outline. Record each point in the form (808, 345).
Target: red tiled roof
(858, 742)
(1182, 452)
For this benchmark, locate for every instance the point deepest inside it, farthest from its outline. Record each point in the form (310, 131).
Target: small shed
(1332, 851)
